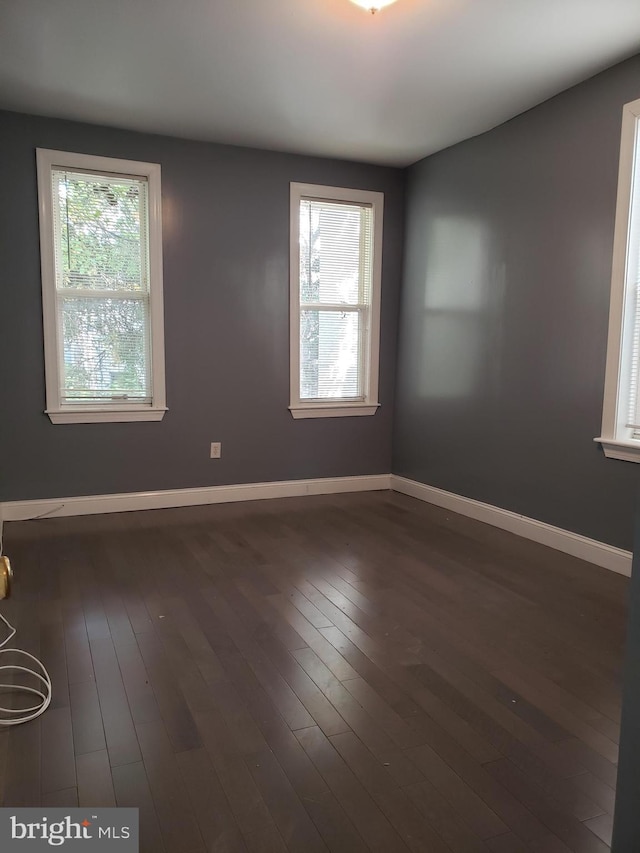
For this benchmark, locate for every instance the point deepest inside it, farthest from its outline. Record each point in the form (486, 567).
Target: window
(101, 258)
(621, 415)
(336, 262)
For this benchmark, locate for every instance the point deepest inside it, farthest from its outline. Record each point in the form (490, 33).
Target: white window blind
(101, 251)
(632, 276)
(620, 436)
(335, 291)
(102, 303)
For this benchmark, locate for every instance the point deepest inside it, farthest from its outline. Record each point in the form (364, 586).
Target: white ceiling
(311, 76)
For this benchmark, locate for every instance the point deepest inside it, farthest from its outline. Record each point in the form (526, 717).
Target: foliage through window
(102, 295)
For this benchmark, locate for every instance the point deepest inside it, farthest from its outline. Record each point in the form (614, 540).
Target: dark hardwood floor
(346, 673)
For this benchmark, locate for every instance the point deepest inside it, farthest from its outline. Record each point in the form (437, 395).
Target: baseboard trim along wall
(128, 502)
(607, 556)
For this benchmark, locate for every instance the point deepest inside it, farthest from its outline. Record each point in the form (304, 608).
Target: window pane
(633, 291)
(331, 355)
(100, 232)
(335, 252)
(104, 349)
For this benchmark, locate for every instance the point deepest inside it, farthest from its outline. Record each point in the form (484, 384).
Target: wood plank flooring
(334, 673)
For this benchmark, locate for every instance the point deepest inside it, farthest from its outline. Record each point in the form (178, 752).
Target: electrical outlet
(216, 449)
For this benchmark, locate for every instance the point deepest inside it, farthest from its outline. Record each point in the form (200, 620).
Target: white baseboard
(128, 502)
(607, 556)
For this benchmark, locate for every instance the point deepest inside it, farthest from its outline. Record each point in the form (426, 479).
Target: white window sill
(332, 410)
(615, 448)
(104, 416)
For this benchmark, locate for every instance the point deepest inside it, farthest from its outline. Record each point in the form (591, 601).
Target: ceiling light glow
(373, 6)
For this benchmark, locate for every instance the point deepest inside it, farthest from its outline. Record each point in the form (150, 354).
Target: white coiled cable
(15, 716)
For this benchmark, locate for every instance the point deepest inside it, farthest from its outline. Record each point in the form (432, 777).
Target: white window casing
(620, 436)
(336, 270)
(101, 262)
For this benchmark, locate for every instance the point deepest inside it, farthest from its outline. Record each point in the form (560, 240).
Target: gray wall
(504, 314)
(227, 340)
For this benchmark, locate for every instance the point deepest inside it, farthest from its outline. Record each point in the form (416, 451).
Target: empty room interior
(319, 424)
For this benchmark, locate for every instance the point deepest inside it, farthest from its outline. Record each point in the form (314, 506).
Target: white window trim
(100, 413)
(334, 408)
(616, 438)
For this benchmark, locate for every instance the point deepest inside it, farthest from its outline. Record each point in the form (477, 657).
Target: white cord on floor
(23, 715)
(15, 716)
(29, 518)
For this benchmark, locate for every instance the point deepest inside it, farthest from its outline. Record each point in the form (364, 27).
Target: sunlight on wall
(456, 307)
